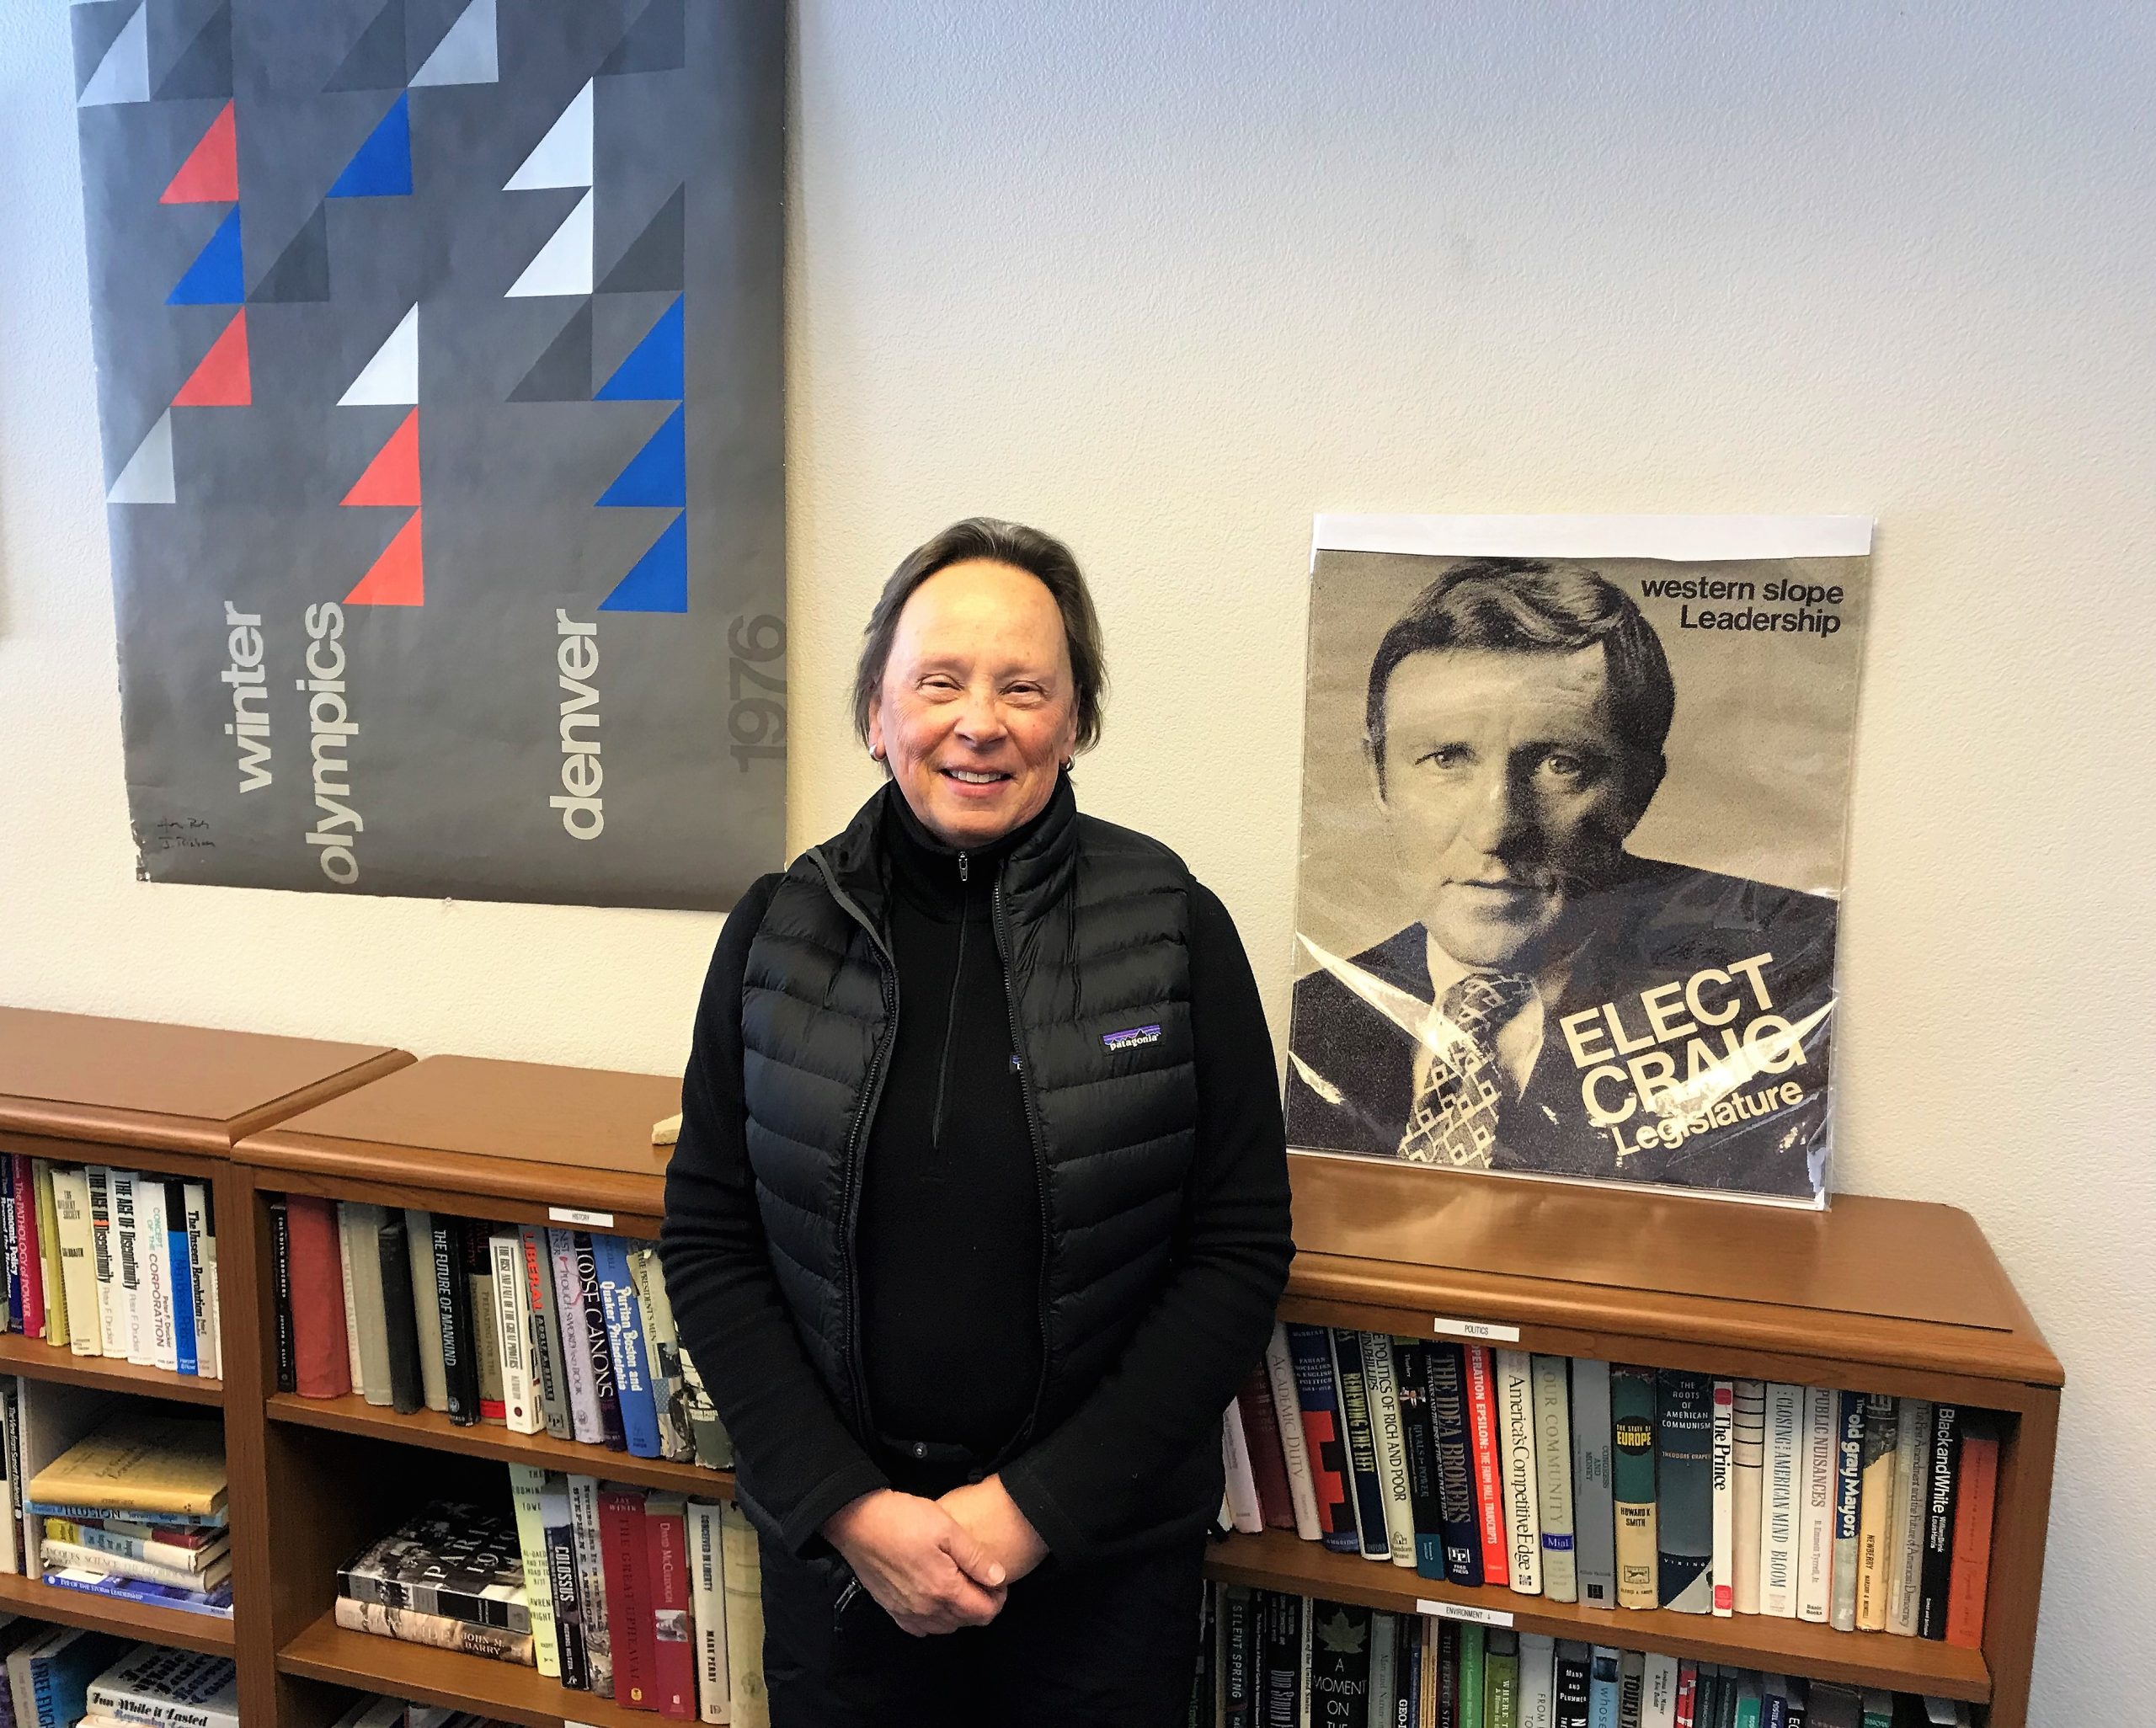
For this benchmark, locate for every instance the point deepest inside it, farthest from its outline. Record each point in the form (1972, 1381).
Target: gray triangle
(376, 61)
(96, 27)
(205, 69)
(564, 372)
(301, 272)
(653, 263)
(657, 41)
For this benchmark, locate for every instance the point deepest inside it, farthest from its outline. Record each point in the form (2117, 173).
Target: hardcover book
(1632, 979)
(1684, 1490)
(456, 1561)
(1594, 1511)
(1318, 1400)
(1632, 1484)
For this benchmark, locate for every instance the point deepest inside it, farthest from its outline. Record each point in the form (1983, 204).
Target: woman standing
(980, 1211)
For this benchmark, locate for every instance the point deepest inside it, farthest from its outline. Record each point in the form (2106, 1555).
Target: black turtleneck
(949, 1239)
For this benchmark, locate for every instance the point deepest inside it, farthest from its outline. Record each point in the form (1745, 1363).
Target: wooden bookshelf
(209, 1633)
(1875, 1295)
(40, 1361)
(1872, 1295)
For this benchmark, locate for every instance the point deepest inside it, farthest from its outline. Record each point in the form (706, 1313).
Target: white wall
(1167, 279)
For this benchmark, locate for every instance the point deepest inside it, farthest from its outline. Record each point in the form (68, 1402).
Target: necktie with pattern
(1462, 1090)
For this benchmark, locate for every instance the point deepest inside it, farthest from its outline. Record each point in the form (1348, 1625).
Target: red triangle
(223, 380)
(398, 577)
(392, 478)
(210, 174)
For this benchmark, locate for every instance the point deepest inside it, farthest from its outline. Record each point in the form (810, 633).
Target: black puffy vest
(1091, 922)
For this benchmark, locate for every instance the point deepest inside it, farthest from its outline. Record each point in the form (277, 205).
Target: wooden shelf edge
(507, 1691)
(41, 1600)
(40, 1360)
(354, 1415)
(1278, 1559)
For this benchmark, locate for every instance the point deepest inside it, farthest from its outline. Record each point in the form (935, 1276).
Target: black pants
(1108, 1645)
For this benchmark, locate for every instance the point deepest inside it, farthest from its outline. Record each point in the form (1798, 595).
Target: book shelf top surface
(433, 1116)
(1909, 1264)
(144, 1083)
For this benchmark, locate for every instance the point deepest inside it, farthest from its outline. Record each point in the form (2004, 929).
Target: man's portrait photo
(1572, 834)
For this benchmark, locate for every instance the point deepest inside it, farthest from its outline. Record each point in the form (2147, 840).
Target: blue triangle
(215, 278)
(653, 370)
(658, 581)
(382, 167)
(657, 476)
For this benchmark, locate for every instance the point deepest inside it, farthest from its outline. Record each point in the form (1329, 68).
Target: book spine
(1875, 1510)
(210, 1284)
(1269, 1461)
(1368, 1485)
(1747, 1491)
(1687, 1694)
(1911, 1474)
(355, 1367)
(1658, 1691)
(675, 1662)
(453, 1303)
(112, 1333)
(1849, 1501)
(127, 1255)
(1815, 1545)
(576, 1346)
(179, 1277)
(1604, 1687)
(1538, 1679)
(158, 1549)
(604, 1387)
(1971, 1567)
(527, 1491)
(1487, 1447)
(628, 1596)
(1460, 1520)
(707, 1608)
(1553, 1476)
(56, 1326)
(194, 1205)
(662, 1354)
(1473, 1646)
(1392, 1445)
(1594, 1540)
(153, 1253)
(1632, 1484)
(591, 1583)
(426, 1307)
(548, 1370)
(1295, 1445)
(751, 1707)
(474, 1238)
(1318, 1400)
(1570, 1706)
(1410, 1375)
(281, 1275)
(25, 1290)
(1684, 1490)
(436, 1631)
(1935, 1571)
(408, 1388)
(1723, 1575)
(512, 1336)
(624, 1344)
(1516, 1446)
(52, 1556)
(1244, 1512)
(556, 1531)
(1783, 1492)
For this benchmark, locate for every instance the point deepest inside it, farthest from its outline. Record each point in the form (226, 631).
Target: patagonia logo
(1131, 1037)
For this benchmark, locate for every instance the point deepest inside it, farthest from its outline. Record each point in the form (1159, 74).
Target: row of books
(111, 1262)
(648, 1599)
(567, 1332)
(1275, 1660)
(62, 1676)
(379, 1710)
(1616, 1486)
(134, 1509)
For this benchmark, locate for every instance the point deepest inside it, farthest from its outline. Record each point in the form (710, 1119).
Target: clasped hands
(937, 1565)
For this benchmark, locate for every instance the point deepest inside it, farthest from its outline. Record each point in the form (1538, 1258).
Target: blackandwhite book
(1594, 1541)
(460, 1561)
(1658, 1691)
(1942, 1484)
(1815, 1546)
(1410, 1374)
(1677, 953)
(590, 1582)
(1781, 1508)
(1912, 1477)
(1367, 1485)
(167, 1688)
(130, 1270)
(1461, 1517)
(1390, 1445)
(111, 1311)
(1848, 1502)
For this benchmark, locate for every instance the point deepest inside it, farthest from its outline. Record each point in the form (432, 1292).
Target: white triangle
(564, 157)
(563, 265)
(124, 74)
(147, 476)
(391, 377)
(468, 54)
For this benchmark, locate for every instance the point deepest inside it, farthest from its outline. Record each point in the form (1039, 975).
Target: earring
(875, 755)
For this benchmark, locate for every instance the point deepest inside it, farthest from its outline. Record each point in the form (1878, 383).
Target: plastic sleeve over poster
(1574, 800)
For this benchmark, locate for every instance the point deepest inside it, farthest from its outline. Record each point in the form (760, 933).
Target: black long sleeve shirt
(948, 1239)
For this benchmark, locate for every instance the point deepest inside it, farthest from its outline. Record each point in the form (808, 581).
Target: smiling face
(977, 713)
(1509, 791)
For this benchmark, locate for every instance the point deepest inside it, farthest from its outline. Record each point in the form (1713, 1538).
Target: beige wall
(1167, 279)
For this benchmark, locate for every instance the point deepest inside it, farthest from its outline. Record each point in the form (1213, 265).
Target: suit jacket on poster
(1662, 923)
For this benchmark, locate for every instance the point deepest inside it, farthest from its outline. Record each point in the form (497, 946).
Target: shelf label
(1461, 1611)
(598, 1221)
(1489, 1330)
(566, 1722)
